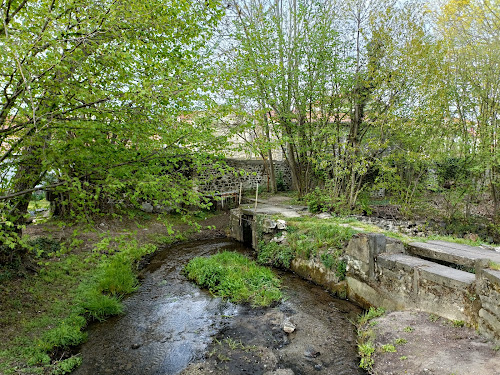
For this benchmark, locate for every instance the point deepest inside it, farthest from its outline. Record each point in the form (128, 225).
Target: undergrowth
(235, 277)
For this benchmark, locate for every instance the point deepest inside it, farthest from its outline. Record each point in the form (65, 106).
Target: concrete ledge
(464, 255)
(492, 276)
(367, 296)
(428, 270)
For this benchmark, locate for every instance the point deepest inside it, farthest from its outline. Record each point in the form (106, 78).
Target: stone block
(489, 323)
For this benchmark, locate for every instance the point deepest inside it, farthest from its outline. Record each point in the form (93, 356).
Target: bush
(318, 201)
(235, 277)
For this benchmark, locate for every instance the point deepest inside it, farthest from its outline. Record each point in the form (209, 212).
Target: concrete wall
(247, 172)
(389, 278)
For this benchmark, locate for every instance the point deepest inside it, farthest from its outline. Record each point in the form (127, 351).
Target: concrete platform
(429, 270)
(459, 254)
(265, 209)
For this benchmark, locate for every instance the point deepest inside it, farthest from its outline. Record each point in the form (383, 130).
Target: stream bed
(172, 327)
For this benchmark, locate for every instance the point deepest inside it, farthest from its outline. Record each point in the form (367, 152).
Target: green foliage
(116, 277)
(332, 261)
(400, 341)
(67, 365)
(233, 276)
(312, 235)
(328, 260)
(96, 306)
(280, 182)
(366, 351)
(319, 201)
(120, 138)
(371, 314)
(366, 337)
(274, 254)
(67, 334)
(388, 348)
(43, 246)
(494, 265)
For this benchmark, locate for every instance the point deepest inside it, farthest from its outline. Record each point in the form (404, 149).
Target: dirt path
(428, 345)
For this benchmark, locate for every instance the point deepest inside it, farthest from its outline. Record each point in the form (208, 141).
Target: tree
(283, 68)
(95, 93)
(471, 33)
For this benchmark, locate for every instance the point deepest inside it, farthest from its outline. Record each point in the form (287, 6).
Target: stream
(172, 327)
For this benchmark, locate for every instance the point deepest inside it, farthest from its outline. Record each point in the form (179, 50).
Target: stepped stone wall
(386, 276)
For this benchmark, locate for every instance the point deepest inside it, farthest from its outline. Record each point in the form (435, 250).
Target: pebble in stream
(172, 327)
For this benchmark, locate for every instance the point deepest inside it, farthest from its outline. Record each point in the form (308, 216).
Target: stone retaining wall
(246, 172)
(488, 289)
(381, 273)
(384, 276)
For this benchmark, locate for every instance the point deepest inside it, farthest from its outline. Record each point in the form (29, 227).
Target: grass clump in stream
(235, 277)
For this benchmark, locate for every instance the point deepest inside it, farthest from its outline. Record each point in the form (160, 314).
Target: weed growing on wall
(274, 254)
(235, 277)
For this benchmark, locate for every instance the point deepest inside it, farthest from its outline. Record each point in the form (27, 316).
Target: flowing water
(172, 327)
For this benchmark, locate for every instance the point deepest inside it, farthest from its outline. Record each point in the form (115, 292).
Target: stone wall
(383, 272)
(383, 275)
(488, 289)
(246, 172)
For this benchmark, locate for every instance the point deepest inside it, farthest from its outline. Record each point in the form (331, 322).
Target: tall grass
(97, 297)
(235, 277)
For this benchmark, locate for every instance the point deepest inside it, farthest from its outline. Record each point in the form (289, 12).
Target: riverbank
(40, 306)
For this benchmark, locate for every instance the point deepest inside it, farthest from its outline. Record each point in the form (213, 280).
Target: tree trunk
(28, 174)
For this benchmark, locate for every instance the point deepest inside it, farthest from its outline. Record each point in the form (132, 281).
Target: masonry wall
(488, 290)
(247, 172)
(379, 275)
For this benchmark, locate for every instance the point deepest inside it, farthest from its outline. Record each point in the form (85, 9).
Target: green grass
(51, 309)
(43, 203)
(366, 337)
(494, 266)
(274, 254)
(235, 277)
(310, 238)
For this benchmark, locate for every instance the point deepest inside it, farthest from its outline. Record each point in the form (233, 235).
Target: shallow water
(170, 322)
